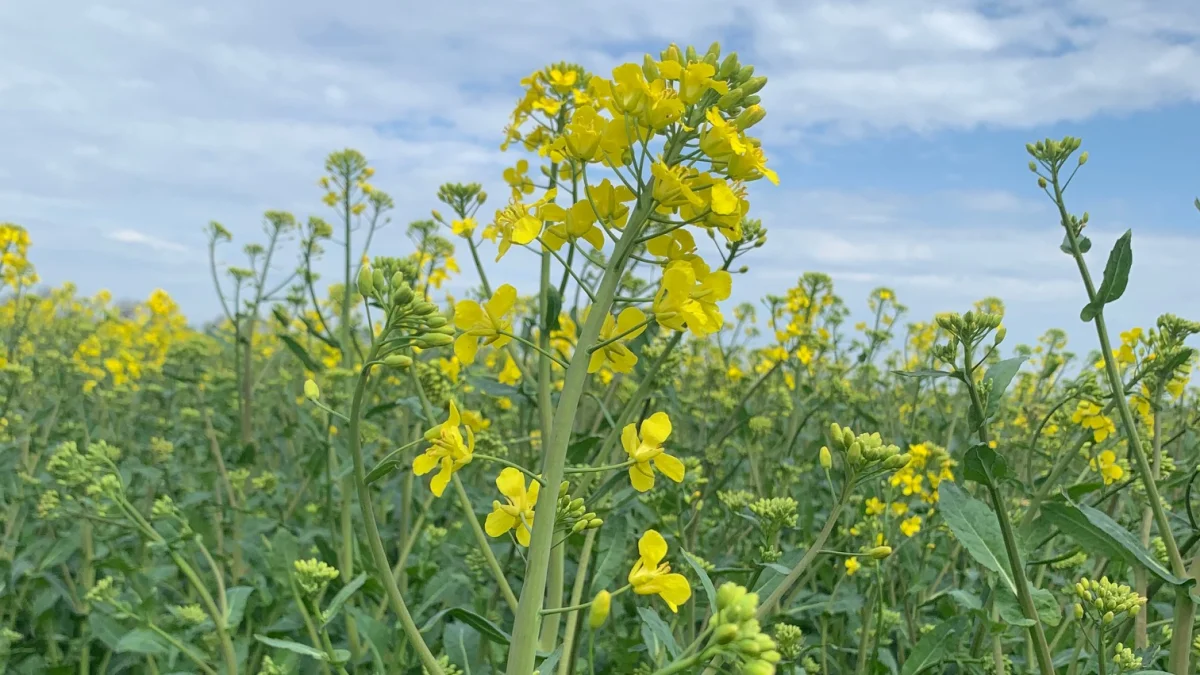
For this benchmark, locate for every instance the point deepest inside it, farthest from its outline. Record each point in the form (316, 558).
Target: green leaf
(300, 353)
(235, 602)
(487, 629)
(1116, 277)
(614, 555)
(921, 374)
(976, 528)
(1000, 375)
(377, 633)
(553, 308)
(705, 581)
(294, 647)
(660, 630)
(1085, 244)
(933, 647)
(335, 605)
(142, 641)
(551, 661)
(965, 599)
(106, 629)
(1044, 603)
(1095, 531)
(982, 465)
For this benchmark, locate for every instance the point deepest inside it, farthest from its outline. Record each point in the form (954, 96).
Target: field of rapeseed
(614, 471)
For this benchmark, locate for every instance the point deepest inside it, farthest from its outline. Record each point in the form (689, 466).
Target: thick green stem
(522, 653)
(581, 575)
(383, 571)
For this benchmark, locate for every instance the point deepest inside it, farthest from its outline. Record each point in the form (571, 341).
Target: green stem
(522, 654)
(383, 570)
(481, 540)
(768, 606)
(594, 469)
(581, 575)
(499, 460)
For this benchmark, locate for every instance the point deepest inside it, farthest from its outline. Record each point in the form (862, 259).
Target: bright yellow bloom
(447, 450)
(1088, 415)
(517, 180)
(517, 514)
(511, 374)
(644, 446)
(608, 202)
(488, 321)
(578, 222)
(910, 526)
(899, 508)
(463, 227)
(690, 299)
(651, 576)
(694, 81)
(874, 507)
(671, 188)
(1106, 464)
(852, 566)
(520, 223)
(616, 354)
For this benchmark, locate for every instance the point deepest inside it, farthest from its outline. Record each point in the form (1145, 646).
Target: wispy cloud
(142, 239)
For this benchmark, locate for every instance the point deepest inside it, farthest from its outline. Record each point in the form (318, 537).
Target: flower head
(651, 576)
(489, 322)
(447, 451)
(517, 513)
(616, 355)
(644, 446)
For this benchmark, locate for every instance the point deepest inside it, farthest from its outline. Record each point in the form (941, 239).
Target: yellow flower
(694, 81)
(517, 514)
(651, 576)
(911, 526)
(578, 222)
(475, 421)
(447, 450)
(511, 374)
(874, 507)
(1106, 464)
(616, 355)
(463, 227)
(689, 299)
(852, 566)
(671, 188)
(608, 202)
(488, 322)
(899, 508)
(517, 180)
(644, 446)
(520, 223)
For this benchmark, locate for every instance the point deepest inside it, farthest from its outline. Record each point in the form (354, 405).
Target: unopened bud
(729, 66)
(437, 216)
(1041, 182)
(579, 526)
(725, 633)
(754, 84)
(425, 308)
(311, 390)
(1000, 333)
(650, 69)
(402, 293)
(750, 116)
(1083, 157)
(826, 458)
(752, 99)
(599, 610)
(731, 99)
(880, 552)
(595, 523)
(366, 282)
(397, 361)
(377, 279)
(1078, 611)
(430, 340)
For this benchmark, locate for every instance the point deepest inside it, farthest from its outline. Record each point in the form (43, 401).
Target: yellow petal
(454, 419)
(442, 479)
(511, 484)
(655, 429)
(532, 495)
(652, 548)
(670, 466)
(424, 463)
(629, 439)
(502, 300)
(498, 522)
(630, 317)
(675, 590)
(724, 201)
(467, 313)
(523, 534)
(641, 476)
(596, 361)
(465, 348)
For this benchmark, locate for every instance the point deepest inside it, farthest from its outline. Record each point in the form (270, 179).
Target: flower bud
(757, 667)
(826, 458)
(366, 282)
(732, 99)
(835, 430)
(754, 84)
(744, 73)
(729, 66)
(650, 69)
(880, 552)
(752, 99)
(430, 340)
(725, 633)
(425, 308)
(1078, 611)
(1032, 166)
(402, 293)
(1083, 158)
(437, 216)
(728, 594)
(847, 438)
(1041, 182)
(579, 526)
(595, 523)
(397, 361)
(311, 390)
(1000, 333)
(599, 610)
(855, 453)
(749, 117)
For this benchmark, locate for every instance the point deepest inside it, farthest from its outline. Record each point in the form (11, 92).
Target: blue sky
(897, 127)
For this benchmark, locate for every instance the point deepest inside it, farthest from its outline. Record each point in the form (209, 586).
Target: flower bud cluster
(737, 634)
(968, 329)
(1106, 601)
(313, 575)
(789, 641)
(572, 513)
(776, 513)
(1124, 658)
(866, 450)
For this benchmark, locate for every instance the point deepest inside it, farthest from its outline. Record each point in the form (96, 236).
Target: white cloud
(150, 118)
(141, 239)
